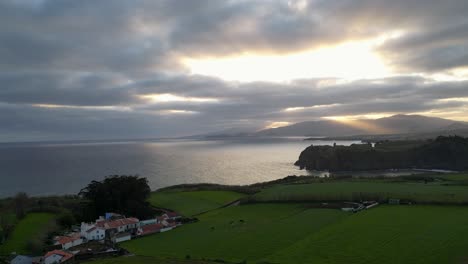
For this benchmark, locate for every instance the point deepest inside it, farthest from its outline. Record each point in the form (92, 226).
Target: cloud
(85, 69)
(66, 88)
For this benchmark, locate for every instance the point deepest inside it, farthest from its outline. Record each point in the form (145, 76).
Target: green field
(193, 202)
(387, 234)
(147, 260)
(352, 190)
(289, 233)
(248, 232)
(456, 177)
(31, 225)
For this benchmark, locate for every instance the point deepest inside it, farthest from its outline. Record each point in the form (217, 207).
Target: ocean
(65, 168)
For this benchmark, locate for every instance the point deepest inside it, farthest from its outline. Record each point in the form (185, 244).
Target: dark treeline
(124, 194)
(450, 153)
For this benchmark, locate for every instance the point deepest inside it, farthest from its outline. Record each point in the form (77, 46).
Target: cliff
(450, 153)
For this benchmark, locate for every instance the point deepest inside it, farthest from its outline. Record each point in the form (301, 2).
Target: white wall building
(93, 233)
(69, 241)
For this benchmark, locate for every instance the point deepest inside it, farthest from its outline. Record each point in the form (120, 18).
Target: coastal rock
(449, 153)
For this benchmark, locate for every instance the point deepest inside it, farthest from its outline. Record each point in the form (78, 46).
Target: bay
(65, 168)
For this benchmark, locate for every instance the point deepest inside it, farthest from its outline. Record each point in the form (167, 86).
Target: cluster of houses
(111, 228)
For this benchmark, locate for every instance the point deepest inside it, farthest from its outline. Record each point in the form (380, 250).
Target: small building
(161, 220)
(172, 215)
(121, 225)
(148, 222)
(95, 233)
(57, 256)
(394, 201)
(69, 241)
(103, 228)
(20, 259)
(149, 229)
(121, 237)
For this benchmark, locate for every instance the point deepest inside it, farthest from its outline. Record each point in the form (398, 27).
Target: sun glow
(277, 124)
(167, 98)
(176, 112)
(345, 118)
(359, 121)
(352, 60)
(303, 108)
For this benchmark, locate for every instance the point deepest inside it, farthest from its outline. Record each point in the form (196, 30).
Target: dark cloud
(65, 88)
(431, 50)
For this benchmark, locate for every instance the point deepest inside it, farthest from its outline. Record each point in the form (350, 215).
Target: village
(100, 238)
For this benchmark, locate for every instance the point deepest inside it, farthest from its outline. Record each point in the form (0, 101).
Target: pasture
(147, 260)
(386, 234)
(25, 230)
(248, 232)
(365, 189)
(190, 203)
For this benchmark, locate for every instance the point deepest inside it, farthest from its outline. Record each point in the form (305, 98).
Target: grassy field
(387, 234)
(26, 229)
(194, 202)
(147, 260)
(348, 190)
(456, 177)
(248, 232)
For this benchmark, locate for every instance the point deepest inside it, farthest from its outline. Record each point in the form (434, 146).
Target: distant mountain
(226, 133)
(397, 124)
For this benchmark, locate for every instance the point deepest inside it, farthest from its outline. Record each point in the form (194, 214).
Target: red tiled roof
(149, 229)
(172, 214)
(66, 239)
(65, 255)
(117, 223)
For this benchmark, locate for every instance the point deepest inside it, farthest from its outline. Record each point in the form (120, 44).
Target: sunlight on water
(66, 168)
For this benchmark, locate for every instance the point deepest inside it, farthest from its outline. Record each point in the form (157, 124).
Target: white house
(57, 256)
(97, 231)
(92, 232)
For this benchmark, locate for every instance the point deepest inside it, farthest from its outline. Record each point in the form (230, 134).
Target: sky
(113, 69)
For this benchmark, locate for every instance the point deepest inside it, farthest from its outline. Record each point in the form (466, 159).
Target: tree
(20, 202)
(66, 219)
(125, 195)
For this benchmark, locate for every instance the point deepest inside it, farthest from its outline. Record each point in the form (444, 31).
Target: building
(69, 241)
(121, 237)
(149, 229)
(108, 227)
(57, 256)
(120, 225)
(148, 222)
(92, 232)
(168, 218)
(20, 259)
(172, 215)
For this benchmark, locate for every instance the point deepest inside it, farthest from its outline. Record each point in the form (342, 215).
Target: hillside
(450, 153)
(397, 124)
